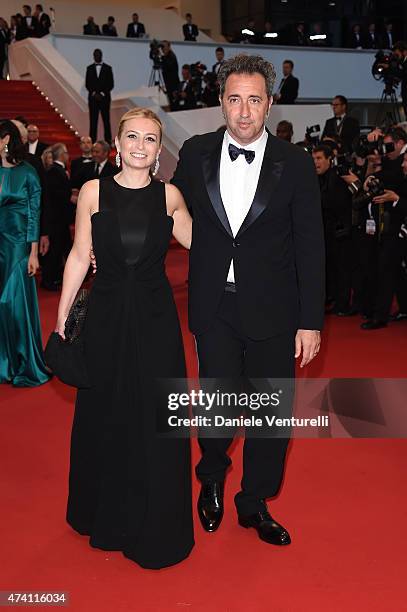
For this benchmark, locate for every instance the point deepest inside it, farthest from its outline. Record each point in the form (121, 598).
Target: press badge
(370, 227)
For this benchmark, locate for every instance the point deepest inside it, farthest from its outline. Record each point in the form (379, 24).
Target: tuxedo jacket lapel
(270, 174)
(211, 172)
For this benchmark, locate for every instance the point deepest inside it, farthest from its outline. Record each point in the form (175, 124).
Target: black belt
(230, 288)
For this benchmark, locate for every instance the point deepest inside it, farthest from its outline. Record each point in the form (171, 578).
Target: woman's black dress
(129, 488)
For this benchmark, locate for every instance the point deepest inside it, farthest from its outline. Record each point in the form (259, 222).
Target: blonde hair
(139, 112)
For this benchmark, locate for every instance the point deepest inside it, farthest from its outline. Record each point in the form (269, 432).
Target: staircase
(22, 98)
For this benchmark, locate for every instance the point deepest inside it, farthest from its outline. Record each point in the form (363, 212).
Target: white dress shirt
(32, 147)
(98, 69)
(238, 183)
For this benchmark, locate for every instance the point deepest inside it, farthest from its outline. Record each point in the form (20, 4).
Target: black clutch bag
(66, 358)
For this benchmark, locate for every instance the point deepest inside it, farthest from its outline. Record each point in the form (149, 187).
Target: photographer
(381, 208)
(210, 94)
(400, 51)
(169, 65)
(337, 217)
(184, 96)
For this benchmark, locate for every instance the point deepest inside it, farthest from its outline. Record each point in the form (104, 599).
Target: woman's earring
(156, 166)
(118, 159)
(6, 149)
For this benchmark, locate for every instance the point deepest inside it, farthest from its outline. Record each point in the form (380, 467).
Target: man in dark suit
(78, 164)
(91, 28)
(388, 39)
(44, 22)
(30, 23)
(34, 145)
(184, 96)
(372, 40)
(355, 39)
(5, 39)
(347, 128)
(99, 83)
(135, 29)
(189, 29)
(99, 167)
(59, 217)
(109, 29)
(220, 60)
(288, 89)
(169, 65)
(256, 277)
(400, 51)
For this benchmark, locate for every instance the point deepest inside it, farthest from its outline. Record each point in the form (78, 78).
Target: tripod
(156, 78)
(387, 116)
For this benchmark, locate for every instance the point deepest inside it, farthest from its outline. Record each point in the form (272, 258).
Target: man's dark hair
(188, 15)
(247, 64)
(135, 15)
(97, 52)
(342, 100)
(219, 49)
(16, 150)
(397, 133)
(289, 62)
(400, 46)
(325, 150)
(111, 18)
(285, 125)
(22, 120)
(186, 67)
(105, 145)
(27, 6)
(39, 7)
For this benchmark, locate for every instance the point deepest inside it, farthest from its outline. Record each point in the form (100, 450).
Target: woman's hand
(60, 327)
(33, 264)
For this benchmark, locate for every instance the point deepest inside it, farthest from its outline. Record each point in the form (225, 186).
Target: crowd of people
(363, 187)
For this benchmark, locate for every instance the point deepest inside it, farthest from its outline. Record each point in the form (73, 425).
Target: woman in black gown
(129, 488)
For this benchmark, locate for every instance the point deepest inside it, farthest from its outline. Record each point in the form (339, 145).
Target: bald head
(33, 132)
(22, 129)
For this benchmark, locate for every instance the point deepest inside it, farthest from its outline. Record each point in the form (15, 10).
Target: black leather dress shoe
(398, 316)
(373, 324)
(268, 529)
(210, 505)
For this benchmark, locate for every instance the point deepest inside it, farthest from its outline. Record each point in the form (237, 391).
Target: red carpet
(344, 502)
(21, 98)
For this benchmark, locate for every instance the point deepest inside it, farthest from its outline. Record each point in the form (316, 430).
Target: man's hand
(92, 260)
(374, 135)
(44, 245)
(388, 196)
(308, 341)
(350, 178)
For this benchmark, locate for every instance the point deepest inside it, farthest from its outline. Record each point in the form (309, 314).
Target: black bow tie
(234, 153)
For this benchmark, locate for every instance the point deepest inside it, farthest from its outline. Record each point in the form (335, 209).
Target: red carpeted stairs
(22, 98)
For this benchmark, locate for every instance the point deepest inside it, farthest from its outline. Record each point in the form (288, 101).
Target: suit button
(235, 244)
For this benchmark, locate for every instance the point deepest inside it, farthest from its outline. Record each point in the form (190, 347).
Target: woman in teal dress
(21, 355)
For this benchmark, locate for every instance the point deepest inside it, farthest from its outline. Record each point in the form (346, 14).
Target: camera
(364, 147)
(313, 133)
(375, 188)
(342, 164)
(155, 56)
(386, 67)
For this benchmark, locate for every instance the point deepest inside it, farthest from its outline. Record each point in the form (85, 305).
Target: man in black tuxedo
(372, 40)
(99, 167)
(78, 164)
(109, 29)
(288, 89)
(184, 96)
(189, 29)
(256, 275)
(169, 65)
(44, 22)
(135, 29)
(220, 60)
(34, 145)
(388, 37)
(342, 125)
(99, 83)
(30, 23)
(355, 39)
(5, 39)
(91, 28)
(59, 217)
